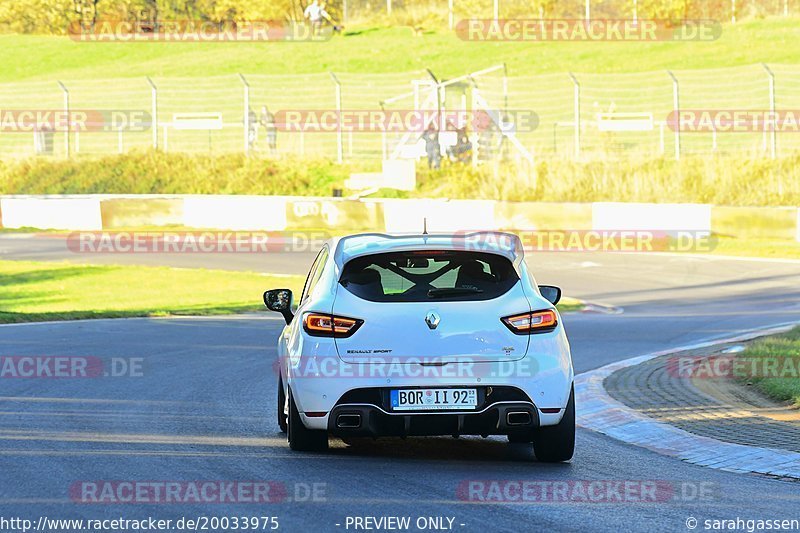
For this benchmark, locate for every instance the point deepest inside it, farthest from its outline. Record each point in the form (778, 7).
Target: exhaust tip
(348, 421)
(518, 418)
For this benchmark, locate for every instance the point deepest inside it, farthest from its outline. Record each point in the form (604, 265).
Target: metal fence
(576, 111)
(456, 10)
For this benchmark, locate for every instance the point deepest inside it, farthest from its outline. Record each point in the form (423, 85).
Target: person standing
(316, 14)
(432, 149)
(267, 122)
(252, 128)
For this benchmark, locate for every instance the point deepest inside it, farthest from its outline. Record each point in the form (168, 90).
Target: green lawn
(35, 291)
(32, 57)
(782, 349)
(765, 248)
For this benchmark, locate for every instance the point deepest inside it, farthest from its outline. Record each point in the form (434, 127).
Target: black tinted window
(420, 276)
(314, 274)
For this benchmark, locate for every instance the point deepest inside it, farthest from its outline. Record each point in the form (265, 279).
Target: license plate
(433, 399)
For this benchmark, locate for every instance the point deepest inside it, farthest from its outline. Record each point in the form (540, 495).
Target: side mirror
(551, 293)
(280, 300)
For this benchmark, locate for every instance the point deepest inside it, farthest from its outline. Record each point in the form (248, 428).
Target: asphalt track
(202, 408)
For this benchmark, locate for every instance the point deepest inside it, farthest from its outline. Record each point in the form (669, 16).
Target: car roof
(496, 242)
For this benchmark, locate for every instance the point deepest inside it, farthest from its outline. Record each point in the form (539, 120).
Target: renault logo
(432, 319)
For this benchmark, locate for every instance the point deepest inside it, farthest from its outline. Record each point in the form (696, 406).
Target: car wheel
(555, 444)
(301, 438)
(281, 406)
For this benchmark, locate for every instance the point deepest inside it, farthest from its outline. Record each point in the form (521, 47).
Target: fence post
(587, 11)
(154, 117)
(496, 10)
(577, 114)
(733, 11)
(66, 113)
(339, 142)
(635, 11)
(389, 7)
(505, 88)
(774, 136)
(450, 15)
(676, 112)
(246, 114)
(438, 87)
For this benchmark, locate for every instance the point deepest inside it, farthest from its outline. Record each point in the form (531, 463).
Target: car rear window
(431, 275)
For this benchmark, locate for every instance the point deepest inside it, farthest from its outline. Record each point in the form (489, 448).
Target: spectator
(316, 14)
(461, 151)
(252, 128)
(432, 149)
(268, 123)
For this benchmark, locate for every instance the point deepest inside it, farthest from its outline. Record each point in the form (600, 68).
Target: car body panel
(466, 330)
(318, 377)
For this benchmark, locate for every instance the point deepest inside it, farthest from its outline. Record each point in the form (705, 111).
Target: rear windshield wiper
(452, 291)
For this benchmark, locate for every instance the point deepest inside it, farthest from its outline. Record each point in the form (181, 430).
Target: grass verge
(784, 350)
(725, 180)
(757, 248)
(391, 49)
(37, 291)
(568, 304)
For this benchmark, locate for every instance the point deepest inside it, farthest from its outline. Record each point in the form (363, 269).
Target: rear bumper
(369, 420)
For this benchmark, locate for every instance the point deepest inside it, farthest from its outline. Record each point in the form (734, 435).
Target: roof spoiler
(475, 241)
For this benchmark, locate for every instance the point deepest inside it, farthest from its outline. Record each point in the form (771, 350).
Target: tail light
(529, 323)
(325, 325)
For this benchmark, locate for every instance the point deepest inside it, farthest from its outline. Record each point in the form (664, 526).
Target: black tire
(282, 422)
(556, 444)
(301, 438)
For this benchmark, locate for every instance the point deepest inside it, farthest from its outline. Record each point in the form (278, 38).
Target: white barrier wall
(275, 213)
(664, 217)
(267, 213)
(404, 216)
(75, 213)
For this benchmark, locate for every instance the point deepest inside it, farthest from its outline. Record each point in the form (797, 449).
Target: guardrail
(276, 213)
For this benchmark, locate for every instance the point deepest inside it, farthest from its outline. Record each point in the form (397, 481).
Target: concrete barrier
(404, 216)
(664, 217)
(133, 212)
(233, 212)
(755, 222)
(543, 216)
(56, 212)
(277, 213)
(334, 214)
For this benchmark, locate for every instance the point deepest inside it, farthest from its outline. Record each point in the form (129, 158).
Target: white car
(424, 335)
